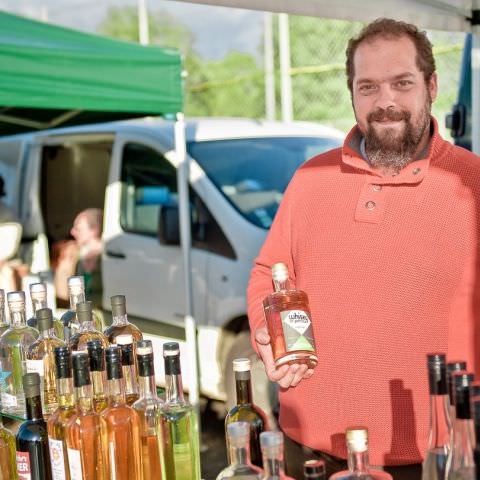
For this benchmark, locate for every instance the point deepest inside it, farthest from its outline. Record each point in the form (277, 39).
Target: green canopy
(52, 76)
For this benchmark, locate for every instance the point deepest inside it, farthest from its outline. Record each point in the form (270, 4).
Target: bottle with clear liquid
(69, 320)
(96, 354)
(87, 331)
(439, 440)
(4, 325)
(125, 342)
(8, 465)
(14, 344)
(57, 423)
(148, 407)
(33, 457)
(314, 470)
(41, 359)
(38, 295)
(461, 464)
(86, 446)
(120, 424)
(245, 410)
(358, 464)
(452, 368)
(289, 322)
(120, 324)
(179, 424)
(272, 454)
(241, 467)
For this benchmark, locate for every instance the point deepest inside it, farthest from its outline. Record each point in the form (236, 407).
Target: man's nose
(385, 98)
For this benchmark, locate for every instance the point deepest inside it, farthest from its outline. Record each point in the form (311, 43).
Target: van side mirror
(169, 225)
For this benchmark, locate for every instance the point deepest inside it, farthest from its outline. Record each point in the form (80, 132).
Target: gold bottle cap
(242, 365)
(76, 285)
(357, 439)
(279, 272)
(16, 301)
(38, 291)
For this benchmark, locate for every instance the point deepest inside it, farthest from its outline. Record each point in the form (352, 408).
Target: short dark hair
(391, 29)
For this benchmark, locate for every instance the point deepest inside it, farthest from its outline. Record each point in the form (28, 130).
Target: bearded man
(383, 235)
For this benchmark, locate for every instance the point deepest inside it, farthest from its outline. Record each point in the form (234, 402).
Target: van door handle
(111, 253)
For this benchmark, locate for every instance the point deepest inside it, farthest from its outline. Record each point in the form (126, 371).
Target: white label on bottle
(297, 330)
(8, 400)
(75, 464)
(113, 466)
(23, 466)
(56, 459)
(35, 366)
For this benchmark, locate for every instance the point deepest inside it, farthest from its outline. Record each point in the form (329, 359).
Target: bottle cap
(271, 439)
(31, 384)
(314, 468)
(119, 305)
(238, 430)
(145, 358)
(242, 365)
(113, 356)
(63, 362)
(84, 311)
(124, 339)
(16, 301)
(38, 291)
(452, 367)
(144, 347)
(171, 349)
(44, 319)
(279, 272)
(357, 439)
(76, 285)
(81, 370)
(461, 385)
(437, 373)
(96, 355)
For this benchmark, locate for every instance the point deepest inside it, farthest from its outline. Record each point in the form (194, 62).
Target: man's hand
(287, 375)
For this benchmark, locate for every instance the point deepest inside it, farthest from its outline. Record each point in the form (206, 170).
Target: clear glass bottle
(148, 407)
(33, 457)
(358, 464)
(179, 423)
(314, 470)
(241, 467)
(475, 412)
(120, 424)
(41, 359)
(245, 410)
(38, 295)
(87, 331)
(289, 323)
(14, 344)
(452, 368)
(57, 423)
(86, 448)
(272, 454)
(439, 439)
(121, 325)
(98, 374)
(461, 465)
(8, 465)
(4, 325)
(125, 342)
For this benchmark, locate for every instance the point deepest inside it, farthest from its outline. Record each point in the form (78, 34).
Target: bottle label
(56, 459)
(297, 330)
(75, 464)
(23, 466)
(8, 401)
(35, 366)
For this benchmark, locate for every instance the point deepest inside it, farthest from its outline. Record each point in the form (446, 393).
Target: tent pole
(269, 64)
(285, 78)
(476, 83)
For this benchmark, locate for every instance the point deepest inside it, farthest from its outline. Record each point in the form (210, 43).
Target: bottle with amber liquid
(87, 456)
(120, 324)
(289, 323)
(87, 331)
(98, 374)
(38, 295)
(129, 368)
(8, 468)
(120, 424)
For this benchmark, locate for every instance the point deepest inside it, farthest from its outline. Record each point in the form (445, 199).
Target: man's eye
(403, 83)
(367, 88)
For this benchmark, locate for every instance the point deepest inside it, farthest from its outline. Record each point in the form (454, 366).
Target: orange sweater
(390, 267)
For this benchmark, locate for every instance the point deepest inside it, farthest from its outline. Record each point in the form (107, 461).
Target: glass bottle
(98, 374)
(120, 324)
(41, 359)
(4, 325)
(120, 424)
(8, 465)
(358, 464)
(38, 295)
(452, 368)
(435, 462)
(461, 465)
(289, 323)
(148, 407)
(475, 411)
(241, 467)
(87, 457)
(314, 470)
(178, 420)
(87, 331)
(33, 458)
(272, 454)
(245, 410)
(14, 344)
(57, 423)
(125, 342)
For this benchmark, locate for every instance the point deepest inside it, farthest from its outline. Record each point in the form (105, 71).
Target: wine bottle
(314, 470)
(289, 323)
(8, 465)
(245, 410)
(120, 324)
(87, 331)
(96, 354)
(272, 455)
(452, 368)
(33, 458)
(129, 370)
(38, 295)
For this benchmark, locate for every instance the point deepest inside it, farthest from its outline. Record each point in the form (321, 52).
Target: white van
(238, 172)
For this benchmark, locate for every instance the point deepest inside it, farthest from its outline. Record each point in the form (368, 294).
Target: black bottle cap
(127, 354)
(119, 305)
(96, 354)
(31, 385)
(462, 381)
(437, 373)
(44, 319)
(63, 362)
(314, 469)
(171, 356)
(452, 367)
(113, 356)
(81, 371)
(84, 311)
(145, 358)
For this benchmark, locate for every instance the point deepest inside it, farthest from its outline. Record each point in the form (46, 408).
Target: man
(383, 235)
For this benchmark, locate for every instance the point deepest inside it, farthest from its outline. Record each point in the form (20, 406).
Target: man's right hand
(287, 375)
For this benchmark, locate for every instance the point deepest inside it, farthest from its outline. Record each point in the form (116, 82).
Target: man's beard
(389, 149)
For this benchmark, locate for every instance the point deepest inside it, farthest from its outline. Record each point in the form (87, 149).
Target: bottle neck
(84, 398)
(120, 320)
(273, 462)
(243, 387)
(174, 389)
(37, 304)
(17, 319)
(130, 379)
(65, 392)
(3, 320)
(147, 387)
(46, 334)
(76, 298)
(281, 285)
(239, 454)
(358, 461)
(98, 382)
(34, 408)
(116, 391)
(464, 444)
(440, 424)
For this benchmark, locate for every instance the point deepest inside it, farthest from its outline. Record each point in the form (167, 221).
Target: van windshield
(253, 173)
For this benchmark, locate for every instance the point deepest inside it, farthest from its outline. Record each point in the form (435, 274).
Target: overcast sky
(216, 30)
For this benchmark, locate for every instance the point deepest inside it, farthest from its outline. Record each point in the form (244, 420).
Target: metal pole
(143, 33)
(476, 83)
(286, 81)
(270, 112)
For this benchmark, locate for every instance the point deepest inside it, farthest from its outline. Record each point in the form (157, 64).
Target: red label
(23, 466)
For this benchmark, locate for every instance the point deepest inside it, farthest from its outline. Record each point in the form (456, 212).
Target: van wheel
(265, 393)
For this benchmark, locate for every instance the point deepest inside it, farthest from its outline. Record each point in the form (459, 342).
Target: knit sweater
(390, 267)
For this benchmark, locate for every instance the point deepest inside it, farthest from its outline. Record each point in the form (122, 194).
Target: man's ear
(433, 86)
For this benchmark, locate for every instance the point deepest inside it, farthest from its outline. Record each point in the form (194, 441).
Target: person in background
(383, 235)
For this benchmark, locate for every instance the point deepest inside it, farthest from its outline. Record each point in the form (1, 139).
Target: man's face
(81, 230)
(391, 100)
